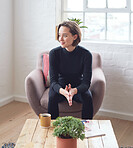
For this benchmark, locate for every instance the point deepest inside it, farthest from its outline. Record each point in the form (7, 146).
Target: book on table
(92, 131)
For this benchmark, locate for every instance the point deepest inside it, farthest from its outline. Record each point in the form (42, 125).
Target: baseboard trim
(6, 100)
(102, 112)
(115, 114)
(20, 98)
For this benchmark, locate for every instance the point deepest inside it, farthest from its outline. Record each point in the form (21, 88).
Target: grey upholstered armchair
(37, 93)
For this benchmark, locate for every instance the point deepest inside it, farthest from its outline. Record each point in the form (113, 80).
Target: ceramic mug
(45, 120)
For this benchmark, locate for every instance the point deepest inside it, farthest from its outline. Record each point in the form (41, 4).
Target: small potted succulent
(68, 129)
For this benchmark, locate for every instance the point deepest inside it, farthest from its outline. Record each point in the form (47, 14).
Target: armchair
(37, 93)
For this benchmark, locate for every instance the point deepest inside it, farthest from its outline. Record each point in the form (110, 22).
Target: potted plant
(78, 21)
(68, 129)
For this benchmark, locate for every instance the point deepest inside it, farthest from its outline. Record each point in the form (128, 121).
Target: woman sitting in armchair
(70, 68)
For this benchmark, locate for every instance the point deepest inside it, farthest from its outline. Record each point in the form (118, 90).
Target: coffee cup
(45, 120)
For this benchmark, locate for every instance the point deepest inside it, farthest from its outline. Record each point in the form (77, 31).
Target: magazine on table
(91, 131)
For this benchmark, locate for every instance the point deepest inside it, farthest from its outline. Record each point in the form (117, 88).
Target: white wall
(6, 50)
(34, 31)
(117, 62)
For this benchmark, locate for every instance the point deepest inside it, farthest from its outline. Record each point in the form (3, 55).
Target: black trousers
(84, 98)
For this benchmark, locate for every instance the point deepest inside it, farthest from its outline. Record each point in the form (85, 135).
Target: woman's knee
(52, 95)
(87, 96)
(55, 97)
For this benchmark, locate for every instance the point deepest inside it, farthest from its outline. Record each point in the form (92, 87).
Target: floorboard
(14, 115)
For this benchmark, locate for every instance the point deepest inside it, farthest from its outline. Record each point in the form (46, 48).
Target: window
(110, 20)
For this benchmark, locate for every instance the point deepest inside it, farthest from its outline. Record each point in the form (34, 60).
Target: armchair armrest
(34, 88)
(97, 88)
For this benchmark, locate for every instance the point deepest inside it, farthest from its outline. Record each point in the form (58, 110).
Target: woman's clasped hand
(68, 92)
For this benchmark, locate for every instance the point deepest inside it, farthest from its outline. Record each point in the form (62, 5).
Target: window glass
(112, 23)
(117, 4)
(72, 15)
(118, 26)
(96, 4)
(73, 5)
(96, 26)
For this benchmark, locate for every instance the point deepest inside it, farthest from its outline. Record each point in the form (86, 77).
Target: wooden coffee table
(33, 136)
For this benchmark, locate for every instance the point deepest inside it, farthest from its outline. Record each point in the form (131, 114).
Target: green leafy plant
(78, 21)
(68, 127)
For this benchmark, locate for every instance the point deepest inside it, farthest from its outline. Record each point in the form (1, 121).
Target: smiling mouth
(62, 43)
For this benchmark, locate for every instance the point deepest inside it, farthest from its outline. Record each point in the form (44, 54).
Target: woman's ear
(75, 36)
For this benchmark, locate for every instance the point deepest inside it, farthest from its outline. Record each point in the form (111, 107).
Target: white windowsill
(107, 42)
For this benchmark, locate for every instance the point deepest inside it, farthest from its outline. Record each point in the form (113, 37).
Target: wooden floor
(14, 115)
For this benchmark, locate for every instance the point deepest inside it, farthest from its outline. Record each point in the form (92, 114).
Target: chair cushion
(45, 68)
(63, 106)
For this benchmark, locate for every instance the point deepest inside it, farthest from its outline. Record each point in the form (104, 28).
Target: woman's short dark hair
(74, 29)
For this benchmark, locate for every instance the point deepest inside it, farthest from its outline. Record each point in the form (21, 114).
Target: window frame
(101, 10)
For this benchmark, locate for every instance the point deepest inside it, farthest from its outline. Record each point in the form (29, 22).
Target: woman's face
(66, 38)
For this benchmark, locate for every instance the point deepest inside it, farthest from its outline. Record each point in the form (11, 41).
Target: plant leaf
(83, 27)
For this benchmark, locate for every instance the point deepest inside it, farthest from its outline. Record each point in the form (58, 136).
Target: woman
(70, 71)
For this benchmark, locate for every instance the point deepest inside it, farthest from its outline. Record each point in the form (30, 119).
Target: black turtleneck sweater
(70, 67)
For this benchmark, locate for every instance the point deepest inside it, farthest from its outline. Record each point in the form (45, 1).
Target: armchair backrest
(96, 60)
